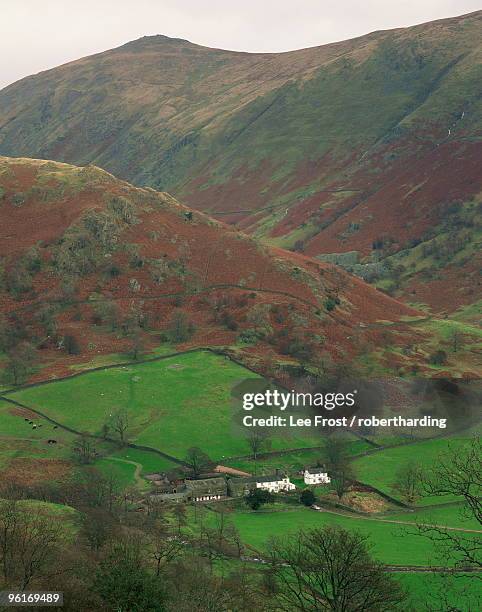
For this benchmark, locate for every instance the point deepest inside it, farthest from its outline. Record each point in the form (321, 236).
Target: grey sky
(36, 35)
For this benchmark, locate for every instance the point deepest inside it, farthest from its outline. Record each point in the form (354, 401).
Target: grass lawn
(172, 404)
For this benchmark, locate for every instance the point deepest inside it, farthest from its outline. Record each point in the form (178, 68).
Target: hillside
(369, 145)
(91, 265)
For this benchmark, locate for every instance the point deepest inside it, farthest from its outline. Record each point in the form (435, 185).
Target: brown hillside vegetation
(86, 255)
(329, 149)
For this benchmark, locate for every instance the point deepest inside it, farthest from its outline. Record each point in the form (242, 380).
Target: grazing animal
(34, 426)
(52, 442)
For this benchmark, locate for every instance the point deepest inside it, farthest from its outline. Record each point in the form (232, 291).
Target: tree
(408, 482)
(456, 340)
(258, 497)
(258, 439)
(29, 543)
(84, 449)
(120, 424)
(197, 460)
(71, 344)
(162, 546)
(136, 345)
(331, 569)
(307, 497)
(337, 460)
(438, 357)
(20, 361)
(179, 512)
(97, 527)
(180, 327)
(341, 479)
(124, 582)
(107, 312)
(45, 315)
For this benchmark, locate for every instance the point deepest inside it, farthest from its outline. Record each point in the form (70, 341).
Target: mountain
(369, 148)
(90, 265)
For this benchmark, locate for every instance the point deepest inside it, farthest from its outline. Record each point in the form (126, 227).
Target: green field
(392, 544)
(461, 591)
(18, 439)
(379, 469)
(450, 515)
(172, 404)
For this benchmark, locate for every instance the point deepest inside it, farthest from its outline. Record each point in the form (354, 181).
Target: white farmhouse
(316, 476)
(274, 484)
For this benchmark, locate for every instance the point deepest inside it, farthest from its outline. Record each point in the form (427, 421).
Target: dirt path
(137, 473)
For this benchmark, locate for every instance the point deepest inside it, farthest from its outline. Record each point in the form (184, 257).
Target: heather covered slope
(121, 269)
(324, 150)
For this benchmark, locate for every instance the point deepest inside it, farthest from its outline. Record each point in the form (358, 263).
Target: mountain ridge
(315, 147)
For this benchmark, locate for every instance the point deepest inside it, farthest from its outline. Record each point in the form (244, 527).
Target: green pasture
(427, 591)
(19, 439)
(392, 544)
(379, 469)
(449, 515)
(172, 404)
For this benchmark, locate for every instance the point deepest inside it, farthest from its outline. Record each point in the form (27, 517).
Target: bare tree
(197, 460)
(84, 449)
(458, 472)
(29, 543)
(258, 440)
(331, 569)
(120, 424)
(180, 516)
(337, 460)
(409, 482)
(163, 546)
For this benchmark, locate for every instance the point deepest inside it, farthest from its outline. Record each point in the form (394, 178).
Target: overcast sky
(40, 34)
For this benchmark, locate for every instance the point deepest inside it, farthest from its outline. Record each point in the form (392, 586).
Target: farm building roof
(207, 486)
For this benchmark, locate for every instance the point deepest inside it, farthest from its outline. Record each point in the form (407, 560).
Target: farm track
(137, 473)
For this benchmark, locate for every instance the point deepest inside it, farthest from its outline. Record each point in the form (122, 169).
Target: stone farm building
(316, 476)
(208, 489)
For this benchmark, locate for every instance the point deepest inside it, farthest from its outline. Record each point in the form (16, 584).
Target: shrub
(307, 497)
(180, 327)
(438, 357)
(71, 345)
(331, 303)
